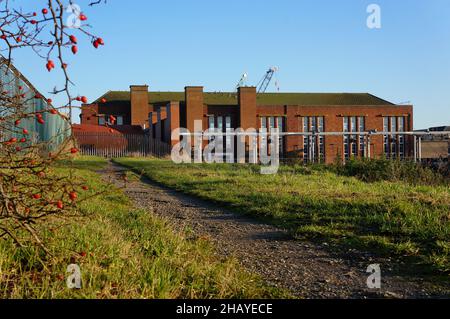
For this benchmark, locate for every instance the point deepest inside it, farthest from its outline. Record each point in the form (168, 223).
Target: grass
(123, 253)
(390, 218)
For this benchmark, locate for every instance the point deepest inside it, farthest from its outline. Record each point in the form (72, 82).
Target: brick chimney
(194, 105)
(139, 104)
(247, 107)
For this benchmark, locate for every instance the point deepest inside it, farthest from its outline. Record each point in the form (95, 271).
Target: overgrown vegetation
(123, 253)
(393, 218)
(370, 170)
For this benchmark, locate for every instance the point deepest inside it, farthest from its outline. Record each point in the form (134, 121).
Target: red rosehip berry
(84, 99)
(73, 196)
(73, 39)
(44, 11)
(74, 49)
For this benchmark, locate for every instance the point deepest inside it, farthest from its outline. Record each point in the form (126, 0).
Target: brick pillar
(139, 104)
(89, 114)
(293, 124)
(334, 145)
(247, 107)
(173, 120)
(247, 112)
(194, 105)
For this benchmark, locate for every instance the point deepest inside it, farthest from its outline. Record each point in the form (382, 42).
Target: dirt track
(308, 270)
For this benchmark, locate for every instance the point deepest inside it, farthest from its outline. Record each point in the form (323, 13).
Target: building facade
(343, 113)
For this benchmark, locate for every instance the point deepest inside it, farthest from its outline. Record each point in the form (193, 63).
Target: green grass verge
(123, 253)
(385, 217)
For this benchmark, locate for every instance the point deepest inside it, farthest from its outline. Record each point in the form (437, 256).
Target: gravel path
(308, 270)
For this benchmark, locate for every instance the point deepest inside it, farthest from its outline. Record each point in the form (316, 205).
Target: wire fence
(120, 145)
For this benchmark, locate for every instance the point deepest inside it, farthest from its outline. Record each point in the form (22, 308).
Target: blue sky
(319, 46)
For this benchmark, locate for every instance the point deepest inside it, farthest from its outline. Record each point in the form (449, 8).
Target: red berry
(84, 99)
(103, 100)
(73, 196)
(25, 131)
(19, 39)
(44, 11)
(96, 44)
(50, 65)
(73, 150)
(18, 149)
(74, 49)
(33, 21)
(85, 188)
(59, 204)
(73, 39)
(41, 121)
(100, 41)
(17, 123)
(13, 140)
(83, 17)
(49, 101)
(3, 37)
(23, 140)
(34, 14)
(53, 111)
(37, 196)
(83, 254)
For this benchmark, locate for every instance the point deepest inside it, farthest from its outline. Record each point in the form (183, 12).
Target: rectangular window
(313, 145)
(394, 144)
(353, 142)
(119, 120)
(101, 120)
(362, 144)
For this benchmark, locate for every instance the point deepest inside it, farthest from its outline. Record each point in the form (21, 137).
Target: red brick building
(162, 112)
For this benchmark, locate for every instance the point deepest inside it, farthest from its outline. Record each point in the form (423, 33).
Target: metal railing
(120, 145)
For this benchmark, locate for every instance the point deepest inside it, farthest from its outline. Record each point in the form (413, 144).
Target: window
(102, 120)
(222, 124)
(271, 122)
(313, 146)
(362, 143)
(394, 144)
(353, 142)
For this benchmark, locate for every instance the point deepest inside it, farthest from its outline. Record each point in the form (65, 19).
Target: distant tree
(30, 189)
